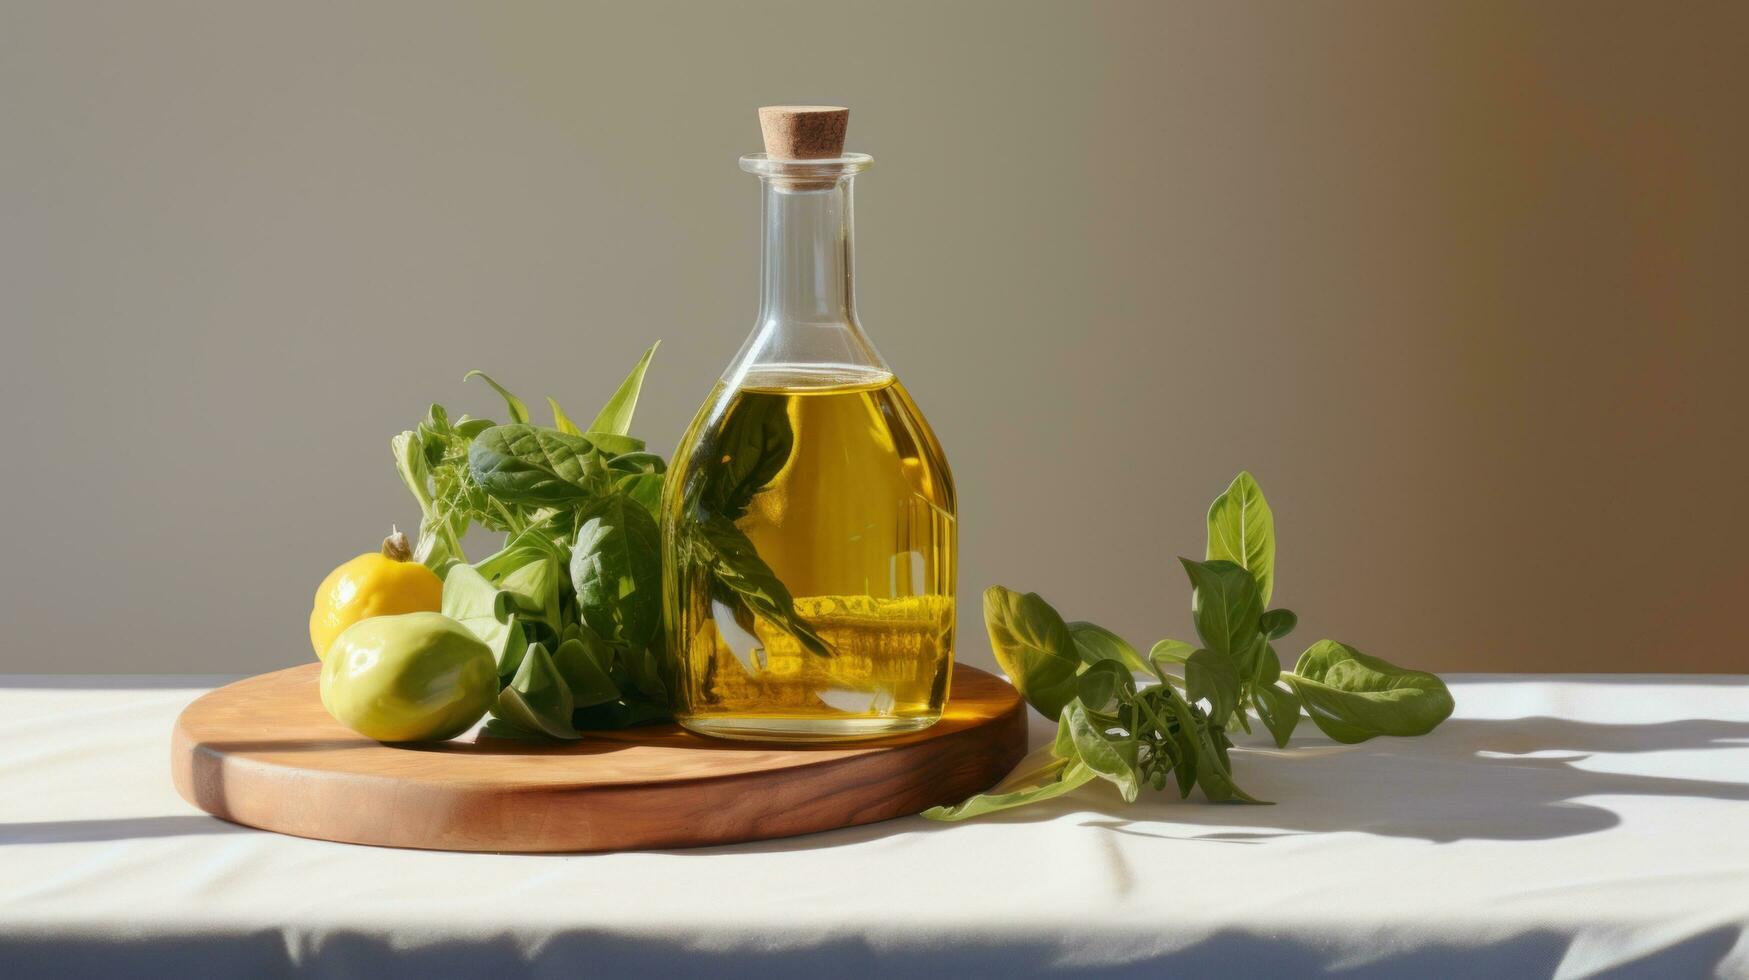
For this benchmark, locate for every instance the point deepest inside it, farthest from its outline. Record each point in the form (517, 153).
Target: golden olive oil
(840, 489)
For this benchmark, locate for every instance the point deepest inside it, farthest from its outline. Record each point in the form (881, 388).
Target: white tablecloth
(1569, 826)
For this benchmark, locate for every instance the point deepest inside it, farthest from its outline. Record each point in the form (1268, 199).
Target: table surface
(1571, 826)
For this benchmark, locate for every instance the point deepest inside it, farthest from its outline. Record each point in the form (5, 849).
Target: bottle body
(809, 525)
(853, 515)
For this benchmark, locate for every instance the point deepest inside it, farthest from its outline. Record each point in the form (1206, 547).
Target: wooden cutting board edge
(351, 799)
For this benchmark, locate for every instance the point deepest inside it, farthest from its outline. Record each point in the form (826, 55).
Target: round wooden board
(263, 752)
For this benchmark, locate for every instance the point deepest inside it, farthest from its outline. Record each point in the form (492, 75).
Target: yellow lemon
(387, 583)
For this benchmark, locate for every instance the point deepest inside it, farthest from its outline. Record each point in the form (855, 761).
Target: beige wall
(1464, 284)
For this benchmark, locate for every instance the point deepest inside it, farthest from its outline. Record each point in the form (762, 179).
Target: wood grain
(263, 752)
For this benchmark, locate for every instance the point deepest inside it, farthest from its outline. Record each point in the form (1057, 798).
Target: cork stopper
(803, 132)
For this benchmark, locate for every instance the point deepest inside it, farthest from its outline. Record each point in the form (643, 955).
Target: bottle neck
(807, 326)
(808, 269)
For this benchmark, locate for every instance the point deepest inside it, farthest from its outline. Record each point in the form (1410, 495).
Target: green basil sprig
(1175, 729)
(747, 583)
(753, 453)
(570, 604)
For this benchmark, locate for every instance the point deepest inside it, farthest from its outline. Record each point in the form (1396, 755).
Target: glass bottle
(808, 520)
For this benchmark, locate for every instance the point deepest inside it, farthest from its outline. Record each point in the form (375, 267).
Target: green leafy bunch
(571, 604)
(1173, 727)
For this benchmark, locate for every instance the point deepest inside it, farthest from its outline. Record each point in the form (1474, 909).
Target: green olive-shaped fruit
(410, 678)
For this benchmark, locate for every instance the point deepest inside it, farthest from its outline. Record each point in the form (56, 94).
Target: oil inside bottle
(830, 476)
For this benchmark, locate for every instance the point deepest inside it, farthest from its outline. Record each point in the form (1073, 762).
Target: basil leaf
(736, 566)
(1218, 735)
(1279, 710)
(518, 411)
(615, 418)
(638, 462)
(1033, 645)
(645, 669)
(1098, 686)
(754, 451)
(530, 546)
(534, 588)
(616, 568)
(1278, 622)
(1072, 776)
(643, 480)
(1212, 677)
(1226, 608)
(528, 567)
(1268, 665)
(1184, 742)
(1097, 753)
(537, 698)
(580, 663)
(1040, 765)
(1242, 531)
(526, 464)
(488, 611)
(643, 488)
(1063, 743)
(1184, 769)
(730, 600)
(561, 421)
(1095, 643)
(470, 428)
(609, 442)
(1353, 697)
(1170, 652)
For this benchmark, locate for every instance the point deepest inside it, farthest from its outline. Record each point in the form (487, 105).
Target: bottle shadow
(1518, 779)
(1472, 779)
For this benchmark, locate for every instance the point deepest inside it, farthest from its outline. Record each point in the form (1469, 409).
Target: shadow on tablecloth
(1234, 953)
